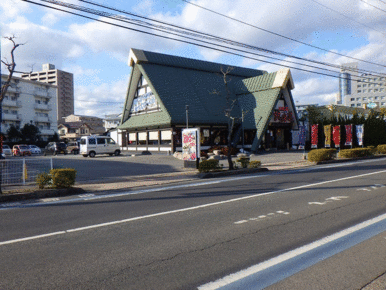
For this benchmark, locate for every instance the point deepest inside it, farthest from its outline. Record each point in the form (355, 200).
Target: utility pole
(187, 116)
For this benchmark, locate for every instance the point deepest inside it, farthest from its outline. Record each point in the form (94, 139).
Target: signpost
(191, 147)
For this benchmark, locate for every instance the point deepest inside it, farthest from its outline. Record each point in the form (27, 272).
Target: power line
(175, 39)
(189, 33)
(352, 19)
(373, 6)
(209, 36)
(277, 34)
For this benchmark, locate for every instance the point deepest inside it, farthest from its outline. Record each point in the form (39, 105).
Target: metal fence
(23, 171)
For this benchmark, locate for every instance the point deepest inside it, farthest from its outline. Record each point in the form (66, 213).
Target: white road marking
(32, 238)
(241, 222)
(289, 255)
(49, 199)
(336, 197)
(86, 195)
(201, 206)
(10, 204)
(319, 203)
(364, 189)
(262, 217)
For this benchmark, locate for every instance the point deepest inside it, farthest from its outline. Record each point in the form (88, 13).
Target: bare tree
(10, 65)
(229, 105)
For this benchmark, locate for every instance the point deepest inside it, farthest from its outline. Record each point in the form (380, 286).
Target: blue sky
(97, 53)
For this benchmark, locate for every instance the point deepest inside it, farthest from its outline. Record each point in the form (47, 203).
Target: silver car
(7, 150)
(35, 149)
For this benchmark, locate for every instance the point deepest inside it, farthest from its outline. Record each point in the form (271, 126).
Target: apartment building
(29, 102)
(65, 85)
(361, 89)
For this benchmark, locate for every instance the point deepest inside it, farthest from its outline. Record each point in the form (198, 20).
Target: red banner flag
(348, 129)
(314, 136)
(336, 136)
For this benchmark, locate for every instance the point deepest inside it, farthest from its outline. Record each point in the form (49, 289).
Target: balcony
(43, 107)
(42, 119)
(10, 103)
(47, 132)
(13, 89)
(11, 117)
(39, 92)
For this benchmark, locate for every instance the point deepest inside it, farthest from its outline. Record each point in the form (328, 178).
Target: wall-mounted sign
(190, 144)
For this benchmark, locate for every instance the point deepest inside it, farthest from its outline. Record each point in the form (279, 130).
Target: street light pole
(187, 116)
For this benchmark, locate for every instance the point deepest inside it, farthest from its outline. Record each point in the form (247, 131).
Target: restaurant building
(167, 94)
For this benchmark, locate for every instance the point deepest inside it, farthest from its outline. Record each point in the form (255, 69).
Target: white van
(93, 145)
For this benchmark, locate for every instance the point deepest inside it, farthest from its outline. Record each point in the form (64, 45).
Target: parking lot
(112, 167)
(104, 167)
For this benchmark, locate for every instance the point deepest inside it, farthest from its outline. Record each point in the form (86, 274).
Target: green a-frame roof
(177, 82)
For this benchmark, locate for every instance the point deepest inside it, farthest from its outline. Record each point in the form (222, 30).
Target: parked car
(73, 147)
(55, 148)
(93, 145)
(35, 149)
(7, 150)
(21, 150)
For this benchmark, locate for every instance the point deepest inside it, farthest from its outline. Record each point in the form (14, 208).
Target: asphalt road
(184, 237)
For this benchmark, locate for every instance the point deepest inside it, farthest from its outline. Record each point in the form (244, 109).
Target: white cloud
(49, 19)
(66, 45)
(101, 100)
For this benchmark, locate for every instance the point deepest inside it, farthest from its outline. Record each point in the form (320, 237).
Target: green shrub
(317, 155)
(243, 160)
(356, 152)
(209, 165)
(254, 164)
(63, 178)
(381, 149)
(372, 149)
(43, 179)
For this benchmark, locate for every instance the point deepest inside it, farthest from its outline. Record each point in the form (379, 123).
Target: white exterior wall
(22, 107)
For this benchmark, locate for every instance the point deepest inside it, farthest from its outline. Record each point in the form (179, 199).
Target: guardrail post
(24, 171)
(52, 164)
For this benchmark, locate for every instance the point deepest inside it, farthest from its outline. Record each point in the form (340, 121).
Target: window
(153, 138)
(92, 141)
(364, 85)
(352, 99)
(132, 139)
(364, 98)
(364, 91)
(352, 105)
(359, 104)
(370, 90)
(144, 99)
(101, 141)
(110, 141)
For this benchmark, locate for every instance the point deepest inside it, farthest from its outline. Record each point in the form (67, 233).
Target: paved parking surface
(104, 167)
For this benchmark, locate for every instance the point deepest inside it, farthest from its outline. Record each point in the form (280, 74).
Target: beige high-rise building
(65, 84)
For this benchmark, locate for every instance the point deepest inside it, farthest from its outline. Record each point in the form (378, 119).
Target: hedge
(381, 149)
(356, 152)
(57, 178)
(317, 155)
(209, 165)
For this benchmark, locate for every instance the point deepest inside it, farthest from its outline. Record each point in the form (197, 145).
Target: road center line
(184, 209)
